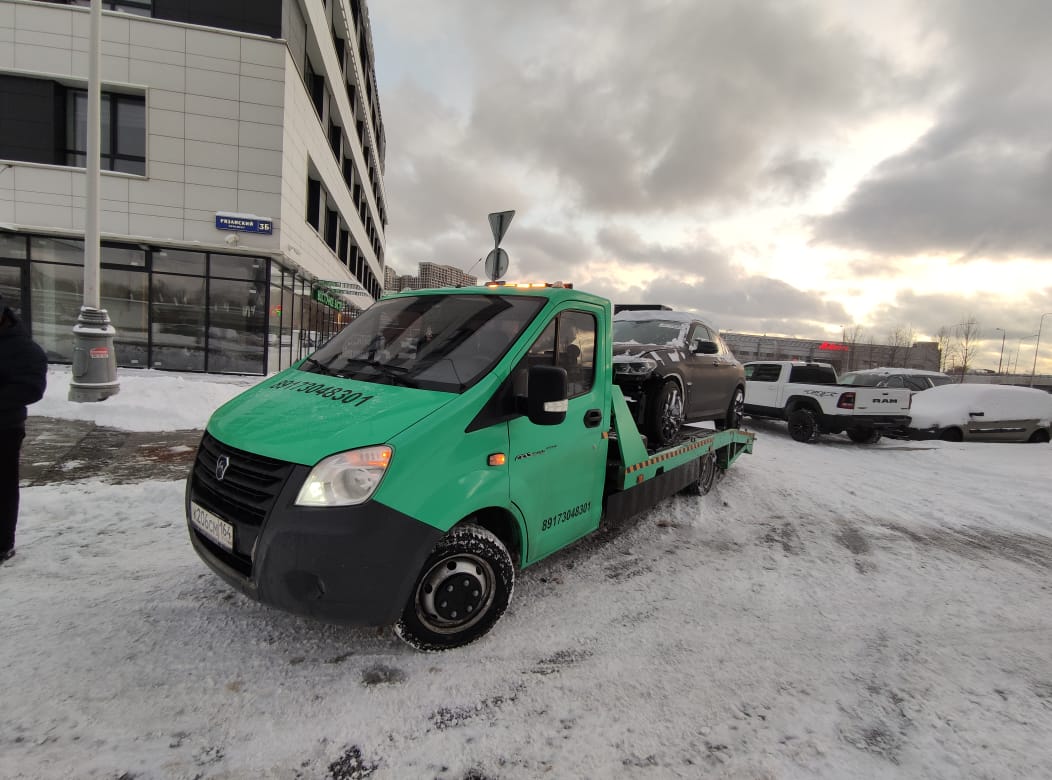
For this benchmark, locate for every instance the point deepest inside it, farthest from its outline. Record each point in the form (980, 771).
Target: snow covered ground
(829, 610)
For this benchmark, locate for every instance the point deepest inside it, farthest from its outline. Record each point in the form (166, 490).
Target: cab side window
(569, 342)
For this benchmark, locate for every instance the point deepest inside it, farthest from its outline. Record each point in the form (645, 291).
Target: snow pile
(954, 404)
(148, 400)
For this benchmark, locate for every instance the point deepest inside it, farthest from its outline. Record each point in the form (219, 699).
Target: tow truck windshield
(433, 342)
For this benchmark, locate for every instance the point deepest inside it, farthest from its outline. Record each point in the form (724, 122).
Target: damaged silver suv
(675, 369)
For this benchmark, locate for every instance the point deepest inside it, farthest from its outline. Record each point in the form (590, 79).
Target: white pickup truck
(808, 397)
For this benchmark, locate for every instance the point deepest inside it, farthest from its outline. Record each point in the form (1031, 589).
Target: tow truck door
(557, 471)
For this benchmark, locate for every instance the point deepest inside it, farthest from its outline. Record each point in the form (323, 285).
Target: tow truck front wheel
(463, 589)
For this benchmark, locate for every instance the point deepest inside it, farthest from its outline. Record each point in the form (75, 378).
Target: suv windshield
(434, 342)
(670, 333)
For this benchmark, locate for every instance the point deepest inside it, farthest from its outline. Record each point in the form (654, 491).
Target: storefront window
(238, 267)
(237, 326)
(57, 292)
(133, 256)
(57, 250)
(13, 247)
(124, 297)
(178, 262)
(177, 305)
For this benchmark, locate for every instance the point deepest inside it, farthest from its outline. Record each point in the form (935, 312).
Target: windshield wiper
(397, 374)
(321, 367)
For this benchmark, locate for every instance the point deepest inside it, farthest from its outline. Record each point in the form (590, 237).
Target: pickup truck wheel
(863, 435)
(706, 477)
(1040, 436)
(803, 426)
(735, 411)
(664, 414)
(463, 589)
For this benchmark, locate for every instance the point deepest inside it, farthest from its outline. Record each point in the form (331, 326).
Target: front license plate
(215, 528)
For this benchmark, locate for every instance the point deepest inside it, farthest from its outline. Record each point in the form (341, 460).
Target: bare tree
(900, 340)
(942, 340)
(967, 336)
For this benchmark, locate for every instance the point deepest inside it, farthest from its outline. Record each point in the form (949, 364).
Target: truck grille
(249, 486)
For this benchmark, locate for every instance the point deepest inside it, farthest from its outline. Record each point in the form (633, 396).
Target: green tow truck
(445, 438)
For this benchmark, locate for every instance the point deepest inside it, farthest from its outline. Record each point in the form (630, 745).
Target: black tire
(710, 469)
(474, 567)
(1040, 436)
(863, 435)
(735, 411)
(803, 425)
(664, 414)
(952, 434)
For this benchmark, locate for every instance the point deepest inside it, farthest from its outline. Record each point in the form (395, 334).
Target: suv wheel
(664, 414)
(735, 411)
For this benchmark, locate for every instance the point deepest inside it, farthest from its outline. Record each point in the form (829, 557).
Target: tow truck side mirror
(546, 395)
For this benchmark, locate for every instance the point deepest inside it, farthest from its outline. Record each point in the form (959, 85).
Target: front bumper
(353, 565)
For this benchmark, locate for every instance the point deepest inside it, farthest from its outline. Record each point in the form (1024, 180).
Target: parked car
(675, 369)
(911, 378)
(974, 412)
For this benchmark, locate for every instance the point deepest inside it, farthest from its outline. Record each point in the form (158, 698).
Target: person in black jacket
(23, 378)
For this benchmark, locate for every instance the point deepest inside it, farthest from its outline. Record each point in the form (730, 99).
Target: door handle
(592, 418)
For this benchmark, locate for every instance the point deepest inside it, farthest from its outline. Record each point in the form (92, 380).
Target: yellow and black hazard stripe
(683, 450)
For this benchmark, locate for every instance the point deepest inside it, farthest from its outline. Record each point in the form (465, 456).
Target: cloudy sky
(779, 166)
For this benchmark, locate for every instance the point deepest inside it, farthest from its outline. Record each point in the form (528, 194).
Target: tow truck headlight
(634, 366)
(346, 478)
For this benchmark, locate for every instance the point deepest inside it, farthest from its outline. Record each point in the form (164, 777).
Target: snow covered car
(675, 369)
(982, 413)
(911, 378)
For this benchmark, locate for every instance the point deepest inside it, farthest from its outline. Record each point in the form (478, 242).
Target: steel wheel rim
(455, 593)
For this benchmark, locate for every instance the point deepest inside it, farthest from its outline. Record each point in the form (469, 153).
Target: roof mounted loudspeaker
(497, 260)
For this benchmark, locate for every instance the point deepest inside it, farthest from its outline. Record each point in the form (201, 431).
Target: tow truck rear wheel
(706, 477)
(664, 414)
(463, 589)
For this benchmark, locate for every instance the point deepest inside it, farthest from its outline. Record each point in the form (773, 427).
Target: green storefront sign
(327, 298)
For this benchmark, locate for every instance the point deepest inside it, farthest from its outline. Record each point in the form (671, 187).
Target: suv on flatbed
(675, 369)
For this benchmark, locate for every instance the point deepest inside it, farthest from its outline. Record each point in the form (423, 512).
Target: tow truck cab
(323, 489)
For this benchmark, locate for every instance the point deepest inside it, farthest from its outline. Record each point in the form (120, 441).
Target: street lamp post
(1018, 345)
(94, 361)
(1037, 346)
(1000, 359)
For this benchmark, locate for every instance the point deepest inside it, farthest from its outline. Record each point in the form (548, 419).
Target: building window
(137, 7)
(314, 203)
(123, 131)
(316, 88)
(335, 139)
(332, 224)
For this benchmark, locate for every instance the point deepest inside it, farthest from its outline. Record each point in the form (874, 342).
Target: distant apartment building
(429, 275)
(842, 355)
(242, 197)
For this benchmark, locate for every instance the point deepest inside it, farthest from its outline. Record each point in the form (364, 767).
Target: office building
(242, 199)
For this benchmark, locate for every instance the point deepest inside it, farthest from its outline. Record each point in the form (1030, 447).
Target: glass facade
(173, 309)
